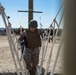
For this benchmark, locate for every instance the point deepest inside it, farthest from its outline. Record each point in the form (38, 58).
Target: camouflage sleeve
(22, 36)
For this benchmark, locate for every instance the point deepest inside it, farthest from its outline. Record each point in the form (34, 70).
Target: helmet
(33, 23)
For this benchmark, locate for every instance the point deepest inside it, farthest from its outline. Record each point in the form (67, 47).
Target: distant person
(22, 41)
(41, 32)
(33, 42)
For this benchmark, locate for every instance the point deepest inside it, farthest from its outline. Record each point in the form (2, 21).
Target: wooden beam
(30, 11)
(70, 37)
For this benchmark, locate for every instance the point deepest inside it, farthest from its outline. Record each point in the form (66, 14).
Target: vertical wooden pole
(30, 8)
(70, 37)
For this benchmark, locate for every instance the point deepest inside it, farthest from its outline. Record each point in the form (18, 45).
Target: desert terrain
(7, 64)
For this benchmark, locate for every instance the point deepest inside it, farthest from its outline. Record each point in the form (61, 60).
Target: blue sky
(48, 7)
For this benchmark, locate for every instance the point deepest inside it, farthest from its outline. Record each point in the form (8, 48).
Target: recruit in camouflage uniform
(32, 44)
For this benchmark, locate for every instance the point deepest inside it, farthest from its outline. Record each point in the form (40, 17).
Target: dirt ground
(7, 64)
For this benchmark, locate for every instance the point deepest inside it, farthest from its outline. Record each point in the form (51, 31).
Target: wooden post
(30, 9)
(70, 37)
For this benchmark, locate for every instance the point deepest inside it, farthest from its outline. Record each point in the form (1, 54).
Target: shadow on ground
(16, 74)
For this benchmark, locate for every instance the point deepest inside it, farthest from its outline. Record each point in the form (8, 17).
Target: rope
(56, 58)
(48, 63)
(17, 53)
(11, 43)
(53, 41)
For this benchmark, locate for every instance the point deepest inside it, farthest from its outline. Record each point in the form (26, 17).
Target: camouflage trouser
(31, 57)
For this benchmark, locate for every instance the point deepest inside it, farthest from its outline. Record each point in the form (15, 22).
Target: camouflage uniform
(31, 53)
(31, 57)
(32, 44)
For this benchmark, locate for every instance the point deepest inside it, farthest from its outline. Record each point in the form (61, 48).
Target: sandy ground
(6, 61)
